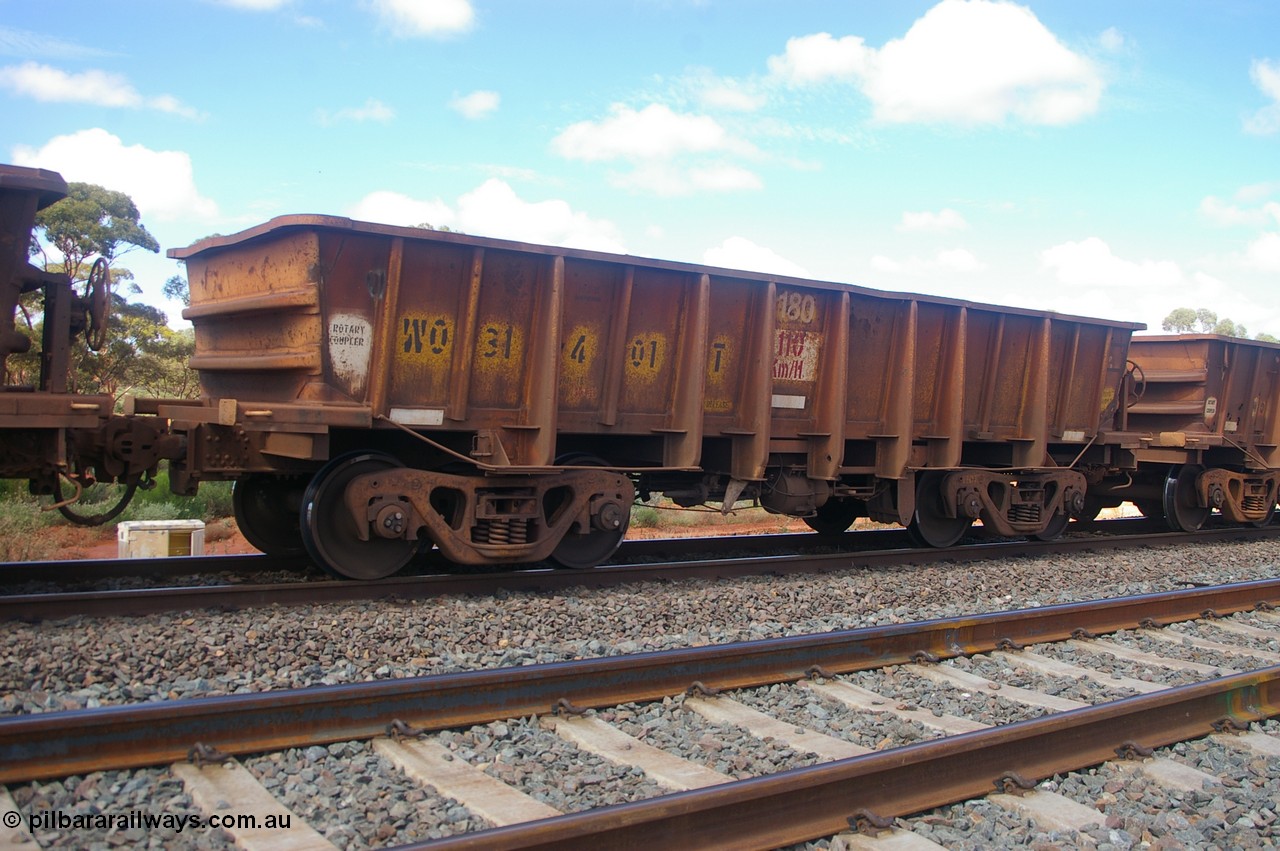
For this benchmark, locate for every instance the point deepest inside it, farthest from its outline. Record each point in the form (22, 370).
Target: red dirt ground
(230, 541)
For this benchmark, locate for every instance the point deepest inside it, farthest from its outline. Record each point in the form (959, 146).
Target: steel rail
(144, 601)
(15, 573)
(807, 803)
(59, 744)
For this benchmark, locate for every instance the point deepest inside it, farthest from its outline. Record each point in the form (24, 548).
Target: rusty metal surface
(23, 192)
(1203, 391)
(514, 356)
(63, 743)
(443, 332)
(807, 803)
(497, 522)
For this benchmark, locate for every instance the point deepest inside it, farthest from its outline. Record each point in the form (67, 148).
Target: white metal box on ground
(159, 538)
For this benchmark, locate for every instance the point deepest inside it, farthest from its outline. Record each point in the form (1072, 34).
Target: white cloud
(964, 61)
(950, 260)
(14, 42)
(394, 208)
(478, 104)
(729, 95)
(1255, 192)
(655, 132)
(1221, 213)
(53, 85)
(161, 183)
(434, 18)
(738, 252)
(494, 209)
(1264, 253)
(669, 150)
(1112, 40)
(820, 58)
(942, 221)
(1266, 76)
(1090, 263)
(372, 110)
(255, 5)
(670, 180)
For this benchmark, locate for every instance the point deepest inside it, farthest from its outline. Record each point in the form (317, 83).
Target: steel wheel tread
(930, 526)
(267, 515)
(329, 531)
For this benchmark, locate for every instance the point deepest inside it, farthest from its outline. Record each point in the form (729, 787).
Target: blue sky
(1110, 159)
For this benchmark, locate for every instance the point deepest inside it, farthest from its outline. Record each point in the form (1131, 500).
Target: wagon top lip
(315, 221)
(50, 185)
(1185, 338)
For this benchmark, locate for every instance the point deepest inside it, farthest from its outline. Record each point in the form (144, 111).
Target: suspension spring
(1024, 513)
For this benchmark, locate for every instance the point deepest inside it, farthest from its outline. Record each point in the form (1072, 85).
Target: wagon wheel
(578, 551)
(1266, 520)
(1056, 527)
(1152, 509)
(834, 516)
(1181, 509)
(1093, 506)
(930, 526)
(267, 511)
(329, 531)
(97, 292)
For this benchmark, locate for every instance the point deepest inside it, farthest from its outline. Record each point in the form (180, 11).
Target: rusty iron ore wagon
(374, 390)
(1201, 431)
(371, 388)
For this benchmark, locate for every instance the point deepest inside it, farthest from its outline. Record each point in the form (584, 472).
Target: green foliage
(644, 517)
(1181, 321)
(92, 221)
(177, 289)
(1184, 320)
(29, 534)
(212, 502)
(142, 354)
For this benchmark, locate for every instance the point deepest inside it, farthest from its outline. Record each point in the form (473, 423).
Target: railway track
(461, 740)
(827, 555)
(84, 571)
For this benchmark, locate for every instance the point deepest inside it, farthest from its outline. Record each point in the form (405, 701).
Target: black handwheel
(97, 292)
(329, 531)
(98, 519)
(834, 516)
(579, 551)
(1181, 509)
(1136, 383)
(267, 510)
(930, 526)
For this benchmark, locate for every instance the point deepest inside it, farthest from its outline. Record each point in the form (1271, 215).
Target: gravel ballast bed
(358, 800)
(86, 662)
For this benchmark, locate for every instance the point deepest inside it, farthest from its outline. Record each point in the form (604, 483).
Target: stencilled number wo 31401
(422, 336)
